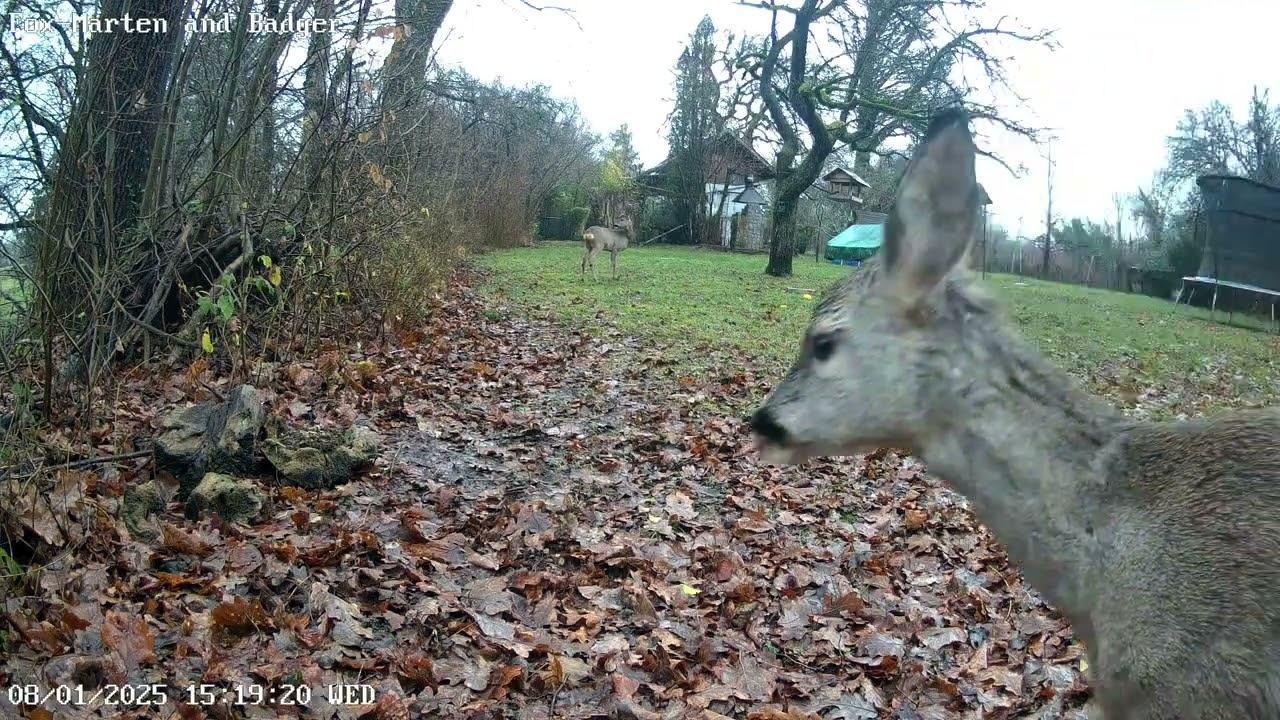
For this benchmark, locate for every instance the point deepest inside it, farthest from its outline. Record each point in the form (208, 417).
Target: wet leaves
(129, 639)
(238, 617)
(557, 531)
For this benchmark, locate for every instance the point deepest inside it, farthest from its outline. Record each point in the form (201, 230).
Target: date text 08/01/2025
(195, 694)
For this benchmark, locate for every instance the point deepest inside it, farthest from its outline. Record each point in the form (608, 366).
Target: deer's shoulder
(1227, 463)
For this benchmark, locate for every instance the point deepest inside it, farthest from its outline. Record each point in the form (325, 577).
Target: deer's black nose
(767, 427)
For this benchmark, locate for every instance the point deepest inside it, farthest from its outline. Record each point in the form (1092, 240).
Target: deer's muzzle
(774, 443)
(767, 427)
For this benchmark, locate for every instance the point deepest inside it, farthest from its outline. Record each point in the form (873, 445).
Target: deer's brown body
(598, 238)
(1159, 541)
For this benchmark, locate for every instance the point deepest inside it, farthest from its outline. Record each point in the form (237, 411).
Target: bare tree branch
(897, 62)
(552, 8)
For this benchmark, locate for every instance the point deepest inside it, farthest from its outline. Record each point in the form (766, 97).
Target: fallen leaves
(568, 532)
(755, 522)
(239, 617)
(130, 640)
(680, 506)
(489, 596)
(52, 515)
(184, 542)
(916, 520)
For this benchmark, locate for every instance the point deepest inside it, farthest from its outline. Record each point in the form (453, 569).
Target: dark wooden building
(736, 189)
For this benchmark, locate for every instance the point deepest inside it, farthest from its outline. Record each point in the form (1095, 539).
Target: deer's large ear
(935, 214)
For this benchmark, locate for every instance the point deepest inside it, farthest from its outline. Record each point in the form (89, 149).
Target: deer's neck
(1020, 442)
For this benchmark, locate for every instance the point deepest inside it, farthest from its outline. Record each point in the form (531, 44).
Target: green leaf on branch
(226, 306)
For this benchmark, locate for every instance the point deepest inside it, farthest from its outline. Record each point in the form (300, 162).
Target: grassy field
(706, 306)
(8, 288)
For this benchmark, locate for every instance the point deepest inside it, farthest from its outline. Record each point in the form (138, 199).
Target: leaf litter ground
(562, 525)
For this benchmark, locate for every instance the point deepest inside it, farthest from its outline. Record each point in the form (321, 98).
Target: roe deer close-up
(598, 238)
(1159, 541)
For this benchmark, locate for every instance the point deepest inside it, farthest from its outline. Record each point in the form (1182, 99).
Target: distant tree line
(1154, 228)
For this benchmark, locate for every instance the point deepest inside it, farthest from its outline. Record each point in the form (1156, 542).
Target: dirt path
(561, 527)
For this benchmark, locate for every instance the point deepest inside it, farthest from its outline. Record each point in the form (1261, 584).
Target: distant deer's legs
(613, 258)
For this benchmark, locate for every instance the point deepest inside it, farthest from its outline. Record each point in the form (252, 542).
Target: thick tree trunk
(113, 125)
(783, 243)
(225, 140)
(316, 111)
(698, 215)
(693, 175)
(99, 186)
(792, 181)
(404, 71)
(718, 218)
(266, 88)
(87, 238)
(133, 69)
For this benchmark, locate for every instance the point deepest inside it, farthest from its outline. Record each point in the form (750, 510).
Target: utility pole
(1119, 202)
(1121, 257)
(1017, 240)
(984, 242)
(1048, 217)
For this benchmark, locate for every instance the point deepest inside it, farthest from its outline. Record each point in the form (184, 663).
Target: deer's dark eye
(824, 346)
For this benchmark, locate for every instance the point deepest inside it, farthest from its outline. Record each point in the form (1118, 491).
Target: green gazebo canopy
(856, 242)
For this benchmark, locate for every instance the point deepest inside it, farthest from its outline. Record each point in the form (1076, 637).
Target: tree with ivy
(622, 150)
(695, 123)
(617, 189)
(615, 192)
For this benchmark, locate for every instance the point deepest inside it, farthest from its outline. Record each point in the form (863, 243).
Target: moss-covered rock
(210, 437)
(235, 499)
(140, 503)
(180, 449)
(320, 458)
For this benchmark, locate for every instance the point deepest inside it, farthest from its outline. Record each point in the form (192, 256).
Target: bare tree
(1212, 141)
(887, 66)
(203, 192)
(1150, 209)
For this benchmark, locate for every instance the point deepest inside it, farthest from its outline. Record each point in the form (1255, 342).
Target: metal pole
(1048, 218)
(984, 242)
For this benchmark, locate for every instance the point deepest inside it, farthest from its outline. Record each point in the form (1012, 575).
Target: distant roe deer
(598, 238)
(1159, 541)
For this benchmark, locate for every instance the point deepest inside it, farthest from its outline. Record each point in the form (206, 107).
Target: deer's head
(888, 340)
(626, 225)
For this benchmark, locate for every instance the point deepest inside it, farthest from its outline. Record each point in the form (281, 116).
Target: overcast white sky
(1112, 92)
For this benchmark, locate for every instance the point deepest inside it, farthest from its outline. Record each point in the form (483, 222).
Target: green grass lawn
(9, 287)
(708, 307)
(689, 298)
